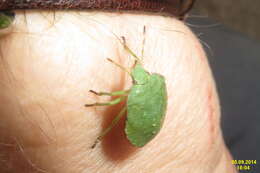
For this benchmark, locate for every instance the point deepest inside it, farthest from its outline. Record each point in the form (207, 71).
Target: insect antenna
(118, 65)
(144, 32)
(137, 59)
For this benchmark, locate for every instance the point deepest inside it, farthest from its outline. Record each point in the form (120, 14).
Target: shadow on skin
(115, 144)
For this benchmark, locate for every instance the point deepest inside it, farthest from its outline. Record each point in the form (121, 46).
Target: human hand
(48, 65)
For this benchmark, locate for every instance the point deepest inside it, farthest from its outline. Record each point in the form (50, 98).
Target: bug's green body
(146, 106)
(6, 18)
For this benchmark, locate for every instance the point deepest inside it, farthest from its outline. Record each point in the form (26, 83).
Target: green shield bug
(146, 103)
(6, 18)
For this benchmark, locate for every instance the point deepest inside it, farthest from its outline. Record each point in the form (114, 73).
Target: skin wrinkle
(24, 114)
(36, 126)
(35, 167)
(176, 148)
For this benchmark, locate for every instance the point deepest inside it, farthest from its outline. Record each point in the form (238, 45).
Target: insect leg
(116, 93)
(112, 102)
(113, 123)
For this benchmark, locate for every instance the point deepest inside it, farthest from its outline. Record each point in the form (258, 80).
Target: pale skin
(49, 64)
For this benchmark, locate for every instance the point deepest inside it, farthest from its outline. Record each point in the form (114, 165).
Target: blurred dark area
(241, 15)
(235, 61)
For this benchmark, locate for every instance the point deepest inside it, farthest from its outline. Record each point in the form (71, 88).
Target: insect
(6, 18)
(146, 103)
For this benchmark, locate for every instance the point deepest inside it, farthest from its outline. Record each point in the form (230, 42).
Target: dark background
(241, 15)
(234, 56)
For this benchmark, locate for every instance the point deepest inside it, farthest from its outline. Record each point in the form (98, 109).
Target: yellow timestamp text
(244, 165)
